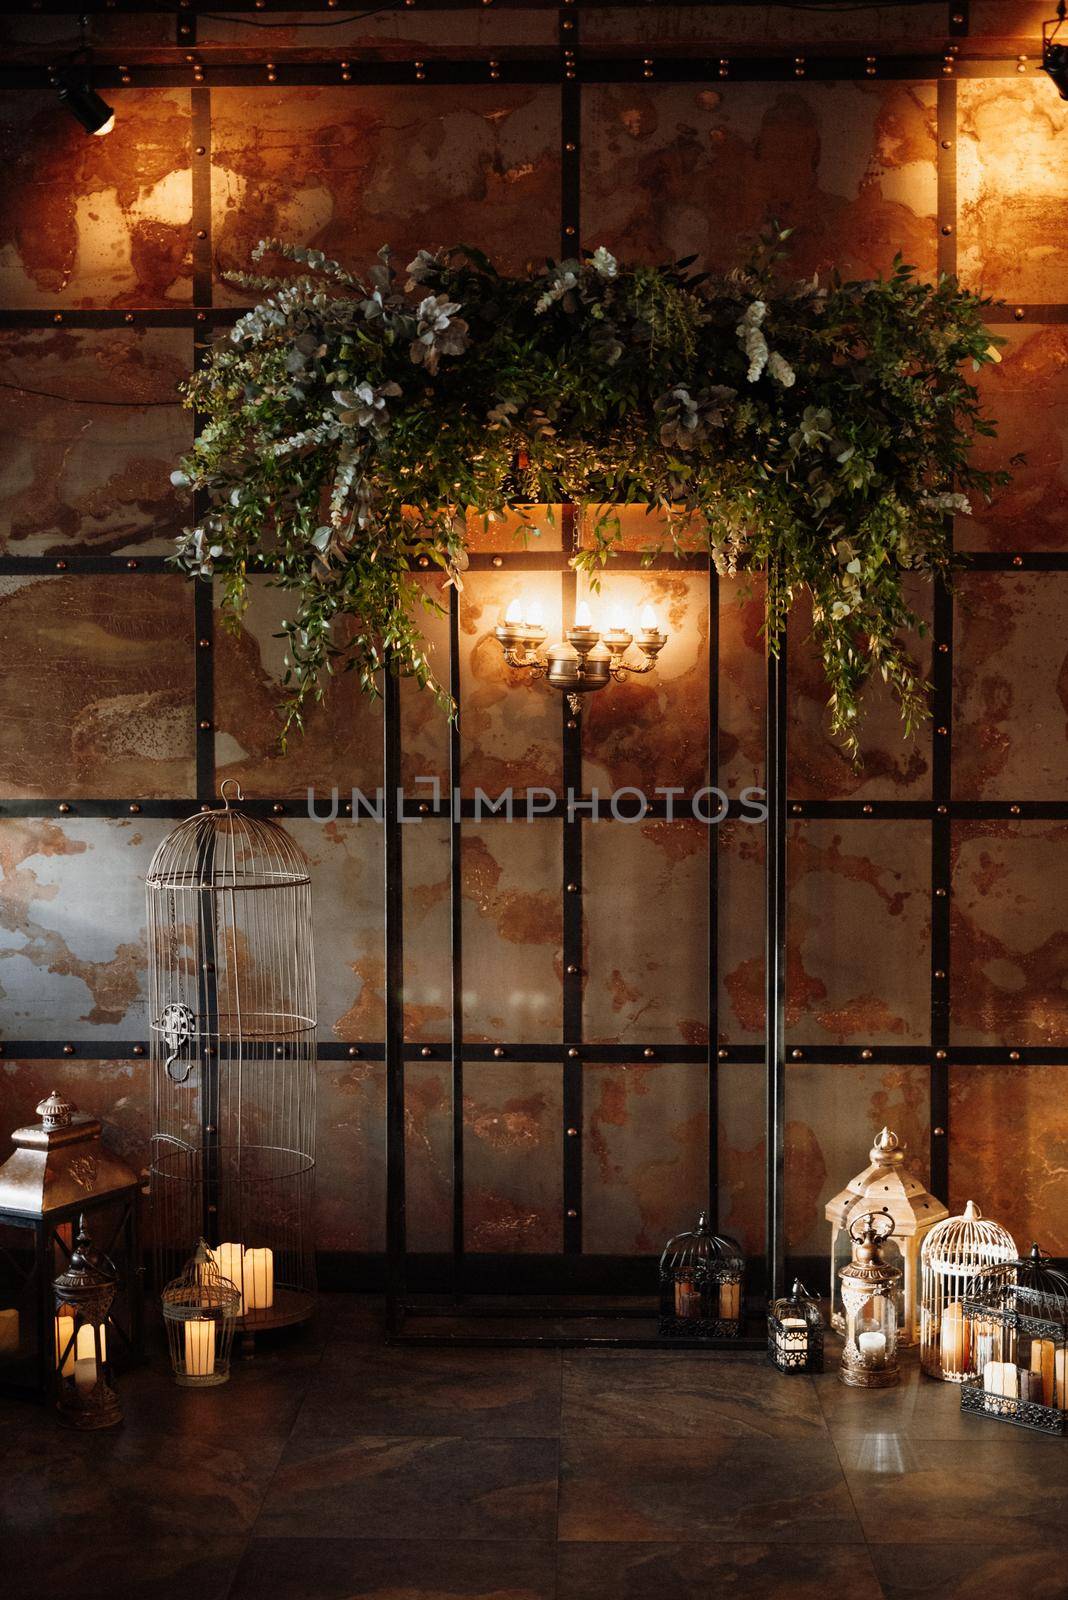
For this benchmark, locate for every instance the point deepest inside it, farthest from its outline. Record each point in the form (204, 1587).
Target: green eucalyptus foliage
(818, 432)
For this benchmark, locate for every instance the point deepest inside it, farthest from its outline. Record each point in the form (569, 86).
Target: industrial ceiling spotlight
(1055, 51)
(83, 102)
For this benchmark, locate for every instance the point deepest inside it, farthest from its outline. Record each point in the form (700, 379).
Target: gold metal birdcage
(233, 1020)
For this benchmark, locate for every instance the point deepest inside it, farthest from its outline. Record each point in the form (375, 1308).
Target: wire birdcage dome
(233, 1021)
(959, 1256)
(701, 1277)
(1041, 1290)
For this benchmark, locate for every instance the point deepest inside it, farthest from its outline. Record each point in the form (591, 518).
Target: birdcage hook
(226, 798)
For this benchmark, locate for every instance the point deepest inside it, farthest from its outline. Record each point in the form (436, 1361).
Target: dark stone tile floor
(336, 1467)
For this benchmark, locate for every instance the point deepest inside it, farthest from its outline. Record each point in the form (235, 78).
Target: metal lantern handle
(873, 1218)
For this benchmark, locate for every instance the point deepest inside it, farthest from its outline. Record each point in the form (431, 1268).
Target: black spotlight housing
(83, 102)
(1055, 51)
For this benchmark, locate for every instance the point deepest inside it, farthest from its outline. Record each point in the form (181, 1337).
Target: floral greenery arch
(818, 431)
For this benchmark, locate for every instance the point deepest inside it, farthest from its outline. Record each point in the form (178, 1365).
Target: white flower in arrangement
(604, 263)
(781, 370)
(947, 501)
(564, 279)
(365, 406)
(439, 332)
(840, 609)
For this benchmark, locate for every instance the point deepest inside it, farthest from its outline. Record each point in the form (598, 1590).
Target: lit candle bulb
(618, 632)
(199, 1347)
(514, 614)
(583, 615)
(647, 621)
(535, 614)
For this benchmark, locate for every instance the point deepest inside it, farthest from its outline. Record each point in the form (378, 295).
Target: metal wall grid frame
(204, 320)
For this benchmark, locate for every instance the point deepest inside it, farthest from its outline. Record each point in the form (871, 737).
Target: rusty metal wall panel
(512, 931)
(103, 702)
(72, 927)
(858, 932)
(512, 1125)
(118, 1092)
(1027, 391)
(74, 475)
(350, 1154)
(428, 1155)
(1010, 677)
(1010, 1149)
(1010, 954)
(741, 1154)
(511, 724)
(664, 30)
(349, 170)
(346, 865)
(1010, 189)
(96, 222)
(646, 931)
(646, 1167)
(669, 170)
(740, 906)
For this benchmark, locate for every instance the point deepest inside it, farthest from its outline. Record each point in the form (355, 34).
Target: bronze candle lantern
(59, 1172)
(795, 1332)
(886, 1185)
(869, 1298)
(83, 1298)
(701, 1285)
(1016, 1330)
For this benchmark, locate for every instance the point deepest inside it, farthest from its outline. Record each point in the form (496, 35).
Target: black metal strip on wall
(712, 1058)
(942, 715)
(574, 974)
(456, 951)
(775, 971)
(393, 936)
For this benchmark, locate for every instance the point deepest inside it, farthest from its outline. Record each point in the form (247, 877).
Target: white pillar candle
(9, 1332)
(86, 1346)
(1060, 1385)
(199, 1347)
(1043, 1352)
(1001, 1382)
(792, 1336)
(84, 1374)
(872, 1347)
(228, 1260)
(687, 1299)
(259, 1279)
(730, 1301)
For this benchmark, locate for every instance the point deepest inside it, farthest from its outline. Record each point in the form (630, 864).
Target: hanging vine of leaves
(820, 432)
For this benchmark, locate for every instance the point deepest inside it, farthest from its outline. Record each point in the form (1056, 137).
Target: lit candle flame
(617, 619)
(514, 613)
(583, 615)
(535, 614)
(648, 620)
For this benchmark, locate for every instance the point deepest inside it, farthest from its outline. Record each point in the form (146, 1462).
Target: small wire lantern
(795, 1332)
(701, 1282)
(233, 1018)
(200, 1311)
(959, 1256)
(870, 1290)
(83, 1297)
(1018, 1331)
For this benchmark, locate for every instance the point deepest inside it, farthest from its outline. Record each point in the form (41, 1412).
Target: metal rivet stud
(135, 809)
(1019, 314)
(939, 1133)
(354, 1051)
(939, 974)
(1015, 810)
(943, 649)
(205, 727)
(572, 1133)
(571, 1212)
(426, 1051)
(128, 317)
(865, 1055)
(942, 731)
(1017, 561)
(1014, 1055)
(68, 1049)
(58, 317)
(867, 810)
(941, 894)
(947, 144)
(200, 150)
(132, 566)
(205, 644)
(572, 888)
(722, 1053)
(796, 810)
(797, 1055)
(649, 1053)
(572, 970)
(277, 809)
(138, 1049)
(569, 231)
(61, 566)
(940, 1055)
(422, 561)
(498, 1052)
(942, 811)
(570, 148)
(497, 561)
(572, 723)
(946, 229)
(423, 808)
(573, 1052)
(63, 808)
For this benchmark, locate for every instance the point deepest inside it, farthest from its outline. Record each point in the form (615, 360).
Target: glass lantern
(795, 1332)
(1017, 1330)
(83, 1297)
(886, 1185)
(701, 1288)
(870, 1288)
(200, 1312)
(961, 1257)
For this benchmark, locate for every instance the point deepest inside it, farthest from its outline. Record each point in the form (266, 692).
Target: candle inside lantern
(730, 1301)
(85, 1374)
(228, 1260)
(64, 1337)
(259, 1279)
(9, 1332)
(1060, 1379)
(687, 1299)
(1043, 1354)
(792, 1336)
(86, 1346)
(1001, 1382)
(954, 1342)
(200, 1347)
(872, 1347)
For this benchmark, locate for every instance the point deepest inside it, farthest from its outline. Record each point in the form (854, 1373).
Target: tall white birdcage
(233, 1023)
(962, 1257)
